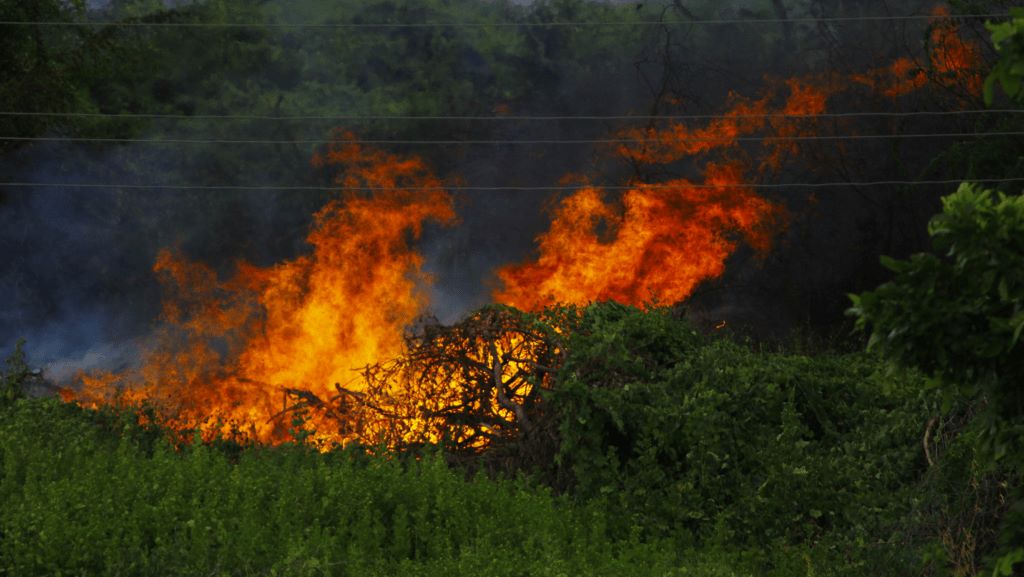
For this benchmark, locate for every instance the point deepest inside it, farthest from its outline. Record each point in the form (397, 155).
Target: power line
(543, 118)
(466, 24)
(640, 187)
(530, 142)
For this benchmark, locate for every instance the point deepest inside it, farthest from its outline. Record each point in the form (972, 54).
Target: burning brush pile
(335, 347)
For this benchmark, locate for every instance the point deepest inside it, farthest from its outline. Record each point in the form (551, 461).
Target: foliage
(14, 377)
(43, 68)
(78, 500)
(1008, 71)
(958, 314)
(676, 453)
(710, 442)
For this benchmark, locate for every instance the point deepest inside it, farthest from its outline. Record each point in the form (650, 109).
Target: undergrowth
(678, 454)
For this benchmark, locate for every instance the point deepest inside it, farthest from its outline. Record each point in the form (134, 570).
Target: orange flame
(658, 243)
(658, 246)
(678, 141)
(952, 62)
(229, 348)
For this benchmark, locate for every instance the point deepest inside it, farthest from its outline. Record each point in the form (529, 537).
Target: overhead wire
(468, 24)
(542, 118)
(464, 24)
(755, 186)
(497, 142)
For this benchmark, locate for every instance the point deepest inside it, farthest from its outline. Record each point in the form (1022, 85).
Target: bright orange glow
(658, 241)
(956, 62)
(468, 384)
(900, 78)
(229, 348)
(658, 245)
(953, 62)
(662, 146)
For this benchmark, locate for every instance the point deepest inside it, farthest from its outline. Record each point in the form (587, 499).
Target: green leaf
(989, 89)
(1004, 565)
(1018, 323)
(893, 264)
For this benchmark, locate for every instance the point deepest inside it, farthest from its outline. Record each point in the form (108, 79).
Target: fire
(468, 385)
(658, 246)
(321, 346)
(898, 79)
(230, 349)
(952, 63)
(660, 240)
(679, 141)
(955, 63)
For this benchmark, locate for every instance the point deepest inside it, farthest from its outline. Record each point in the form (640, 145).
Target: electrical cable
(349, 117)
(531, 142)
(561, 24)
(640, 187)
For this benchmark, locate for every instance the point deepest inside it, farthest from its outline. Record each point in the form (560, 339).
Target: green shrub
(958, 314)
(710, 442)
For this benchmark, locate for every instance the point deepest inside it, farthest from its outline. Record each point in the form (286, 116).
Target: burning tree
(475, 384)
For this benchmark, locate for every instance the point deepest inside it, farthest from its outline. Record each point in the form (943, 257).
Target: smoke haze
(77, 282)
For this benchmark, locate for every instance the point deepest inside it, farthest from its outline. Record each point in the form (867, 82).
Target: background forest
(196, 149)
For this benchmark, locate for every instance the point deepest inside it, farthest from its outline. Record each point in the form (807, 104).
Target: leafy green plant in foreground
(958, 315)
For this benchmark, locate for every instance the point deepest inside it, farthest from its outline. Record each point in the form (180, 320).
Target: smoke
(77, 281)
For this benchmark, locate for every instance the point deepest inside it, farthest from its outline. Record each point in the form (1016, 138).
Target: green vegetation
(679, 455)
(1008, 71)
(705, 439)
(673, 453)
(13, 377)
(958, 315)
(84, 496)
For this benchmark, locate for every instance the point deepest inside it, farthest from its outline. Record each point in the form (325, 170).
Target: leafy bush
(958, 314)
(710, 442)
(678, 455)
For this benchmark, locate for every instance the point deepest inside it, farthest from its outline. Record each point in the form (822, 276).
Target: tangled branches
(467, 386)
